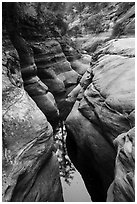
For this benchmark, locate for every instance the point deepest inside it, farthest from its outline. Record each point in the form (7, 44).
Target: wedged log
(78, 91)
(103, 110)
(30, 167)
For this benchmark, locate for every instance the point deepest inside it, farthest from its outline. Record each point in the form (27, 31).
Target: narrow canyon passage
(74, 189)
(68, 101)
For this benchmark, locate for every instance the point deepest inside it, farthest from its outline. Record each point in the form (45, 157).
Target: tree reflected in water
(66, 167)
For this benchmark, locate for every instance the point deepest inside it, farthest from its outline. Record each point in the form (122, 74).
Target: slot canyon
(68, 101)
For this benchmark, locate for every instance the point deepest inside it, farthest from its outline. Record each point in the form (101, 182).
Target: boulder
(81, 65)
(30, 167)
(103, 110)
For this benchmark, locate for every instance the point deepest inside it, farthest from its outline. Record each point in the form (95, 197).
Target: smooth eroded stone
(123, 186)
(30, 168)
(103, 110)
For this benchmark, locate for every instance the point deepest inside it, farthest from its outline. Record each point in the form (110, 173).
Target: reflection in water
(74, 189)
(66, 167)
(76, 192)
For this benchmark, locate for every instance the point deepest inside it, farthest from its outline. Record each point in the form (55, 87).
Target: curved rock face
(30, 167)
(55, 71)
(33, 85)
(44, 56)
(58, 74)
(104, 109)
(53, 68)
(124, 181)
(79, 62)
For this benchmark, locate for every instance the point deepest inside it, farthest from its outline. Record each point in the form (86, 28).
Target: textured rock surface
(79, 63)
(53, 68)
(102, 116)
(55, 71)
(30, 168)
(126, 21)
(33, 85)
(103, 110)
(123, 187)
(45, 59)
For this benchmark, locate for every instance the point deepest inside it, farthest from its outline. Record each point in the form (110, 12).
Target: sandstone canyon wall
(103, 111)
(30, 167)
(47, 81)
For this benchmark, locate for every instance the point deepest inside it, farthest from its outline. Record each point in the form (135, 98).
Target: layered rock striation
(45, 76)
(55, 71)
